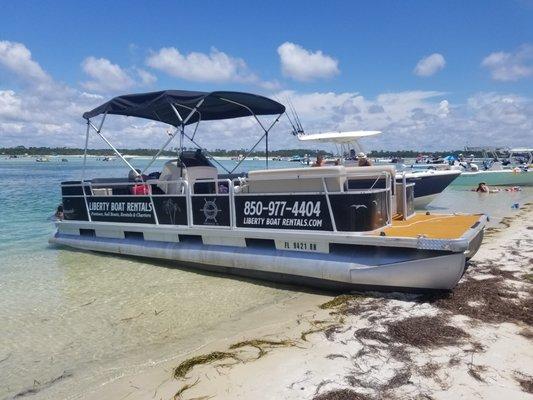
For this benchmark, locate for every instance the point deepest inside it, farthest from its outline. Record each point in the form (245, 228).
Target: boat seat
(171, 172)
(377, 169)
(292, 180)
(372, 177)
(195, 174)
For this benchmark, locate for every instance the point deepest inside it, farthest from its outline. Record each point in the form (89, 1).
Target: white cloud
(105, 76)
(510, 66)
(10, 105)
(147, 79)
(216, 66)
(417, 119)
(409, 120)
(430, 65)
(16, 58)
(304, 65)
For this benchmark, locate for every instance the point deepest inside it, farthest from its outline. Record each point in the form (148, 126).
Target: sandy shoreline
(475, 343)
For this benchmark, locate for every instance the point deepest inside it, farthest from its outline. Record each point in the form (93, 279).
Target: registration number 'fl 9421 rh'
(299, 245)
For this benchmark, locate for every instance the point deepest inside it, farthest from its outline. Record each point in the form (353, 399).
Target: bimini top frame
(180, 108)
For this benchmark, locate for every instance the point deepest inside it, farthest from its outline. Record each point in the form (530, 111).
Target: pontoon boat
(311, 226)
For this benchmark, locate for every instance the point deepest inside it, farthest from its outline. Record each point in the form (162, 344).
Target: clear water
(83, 312)
(93, 315)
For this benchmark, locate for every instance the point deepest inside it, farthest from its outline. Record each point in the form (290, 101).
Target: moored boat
(428, 183)
(310, 226)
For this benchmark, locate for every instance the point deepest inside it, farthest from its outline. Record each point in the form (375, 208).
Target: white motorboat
(307, 226)
(512, 169)
(428, 183)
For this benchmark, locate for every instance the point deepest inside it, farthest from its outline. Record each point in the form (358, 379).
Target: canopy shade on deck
(215, 105)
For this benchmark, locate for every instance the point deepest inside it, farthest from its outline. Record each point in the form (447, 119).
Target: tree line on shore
(41, 151)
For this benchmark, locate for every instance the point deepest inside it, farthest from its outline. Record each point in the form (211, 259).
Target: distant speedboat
(512, 170)
(64, 160)
(43, 159)
(238, 158)
(428, 184)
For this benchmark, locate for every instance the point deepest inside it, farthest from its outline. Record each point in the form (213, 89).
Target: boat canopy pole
(99, 132)
(256, 143)
(191, 138)
(180, 129)
(85, 151)
(262, 127)
(87, 143)
(172, 136)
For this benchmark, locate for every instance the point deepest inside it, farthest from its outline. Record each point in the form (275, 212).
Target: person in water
(363, 161)
(59, 213)
(483, 188)
(319, 161)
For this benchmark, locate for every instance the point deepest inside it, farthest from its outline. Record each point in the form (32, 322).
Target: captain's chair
(192, 166)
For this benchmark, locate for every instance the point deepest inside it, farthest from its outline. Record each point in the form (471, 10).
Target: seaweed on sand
(184, 388)
(371, 334)
(261, 344)
(340, 301)
(429, 370)
(342, 394)
(425, 332)
(399, 379)
(527, 333)
(328, 330)
(181, 370)
(489, 297)
(38, 386)
(475, 372)
(525, 381)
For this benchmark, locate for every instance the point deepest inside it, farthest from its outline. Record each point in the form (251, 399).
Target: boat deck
(432, 226)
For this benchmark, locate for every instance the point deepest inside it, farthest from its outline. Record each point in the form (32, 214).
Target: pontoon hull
(367, 267)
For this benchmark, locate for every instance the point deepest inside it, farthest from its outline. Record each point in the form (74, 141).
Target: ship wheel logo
(210, 211)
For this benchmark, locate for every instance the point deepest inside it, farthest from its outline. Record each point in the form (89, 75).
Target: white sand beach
(472, 343)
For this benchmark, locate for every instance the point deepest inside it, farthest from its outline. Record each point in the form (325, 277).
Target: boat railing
(324, 188)
(221, 188)
(225, 190)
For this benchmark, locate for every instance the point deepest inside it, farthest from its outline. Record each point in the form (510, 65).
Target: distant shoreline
(72, 151)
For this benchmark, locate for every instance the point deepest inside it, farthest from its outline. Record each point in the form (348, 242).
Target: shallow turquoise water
(91, 314)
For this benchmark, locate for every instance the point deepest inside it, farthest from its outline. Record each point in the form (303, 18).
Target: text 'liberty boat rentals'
(429, 183)
(306, 226)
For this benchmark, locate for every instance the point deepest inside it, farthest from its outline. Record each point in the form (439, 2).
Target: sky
(430, 75)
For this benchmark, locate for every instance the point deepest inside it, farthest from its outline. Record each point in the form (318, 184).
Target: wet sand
(472, 343)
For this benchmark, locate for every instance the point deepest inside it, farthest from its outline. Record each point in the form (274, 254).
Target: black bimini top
(216, 105)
